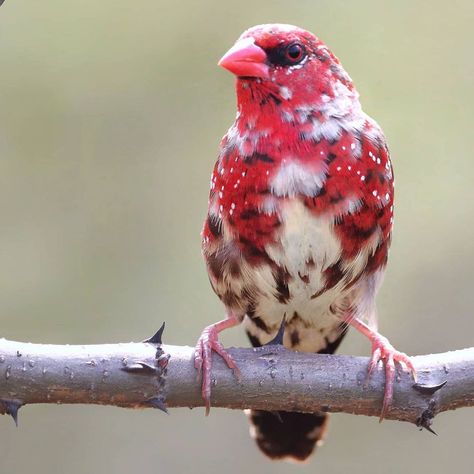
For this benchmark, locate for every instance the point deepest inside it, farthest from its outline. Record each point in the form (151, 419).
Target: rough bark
(139, 375)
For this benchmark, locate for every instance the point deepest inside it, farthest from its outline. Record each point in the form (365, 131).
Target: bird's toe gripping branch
(383, 351)
(208, 342)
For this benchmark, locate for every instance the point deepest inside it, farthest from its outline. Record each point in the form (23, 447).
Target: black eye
(287, 54)
(295, 52)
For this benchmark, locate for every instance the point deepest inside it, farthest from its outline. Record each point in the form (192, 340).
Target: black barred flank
(254, 340)
(282, 278)
(215, 225)
(331, 347)
(294, 338)
(260, 324)
(333, 274)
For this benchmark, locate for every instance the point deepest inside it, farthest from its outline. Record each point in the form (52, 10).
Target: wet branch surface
(140, 375)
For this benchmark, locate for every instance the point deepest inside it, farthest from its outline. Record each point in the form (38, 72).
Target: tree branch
(138, 375)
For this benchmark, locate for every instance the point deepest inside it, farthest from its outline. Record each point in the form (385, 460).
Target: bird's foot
(382, 350)
(208, 342)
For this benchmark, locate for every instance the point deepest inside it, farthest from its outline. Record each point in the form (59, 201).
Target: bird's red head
(287, 62)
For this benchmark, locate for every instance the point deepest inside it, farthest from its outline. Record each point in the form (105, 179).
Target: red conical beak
(245, 58)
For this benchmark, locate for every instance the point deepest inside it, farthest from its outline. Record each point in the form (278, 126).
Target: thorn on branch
(156, 338)
(141, 368)
(10, 407)
(159, 370)
(425, 420)
(158, 402)
(429, 389)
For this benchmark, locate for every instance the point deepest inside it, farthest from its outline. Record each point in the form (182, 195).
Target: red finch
(300, 217)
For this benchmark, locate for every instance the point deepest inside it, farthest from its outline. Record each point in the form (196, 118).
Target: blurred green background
(110, 118)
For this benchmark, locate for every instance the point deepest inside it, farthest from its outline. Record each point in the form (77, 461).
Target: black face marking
(287, 54)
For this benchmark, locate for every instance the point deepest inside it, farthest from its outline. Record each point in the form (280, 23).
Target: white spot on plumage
(287, 116)
(269, 205)
(293, 178)
(354, 205)
(285, 93)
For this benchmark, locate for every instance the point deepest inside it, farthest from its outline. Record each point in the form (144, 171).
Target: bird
(299, 220)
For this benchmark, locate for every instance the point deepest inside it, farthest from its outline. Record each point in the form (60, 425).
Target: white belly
(307, 247)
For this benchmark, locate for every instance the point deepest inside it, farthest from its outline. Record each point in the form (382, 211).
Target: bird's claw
(382, 350)
(208, 342)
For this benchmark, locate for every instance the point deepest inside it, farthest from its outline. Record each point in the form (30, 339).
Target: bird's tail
(286, 435)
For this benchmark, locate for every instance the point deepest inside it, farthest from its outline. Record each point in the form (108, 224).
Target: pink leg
(383, 350)
(208, 342)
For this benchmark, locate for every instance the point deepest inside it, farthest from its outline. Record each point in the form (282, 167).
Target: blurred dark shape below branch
(140, 375)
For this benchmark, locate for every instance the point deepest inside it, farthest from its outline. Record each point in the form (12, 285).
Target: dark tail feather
(288, 435)
(285, 435)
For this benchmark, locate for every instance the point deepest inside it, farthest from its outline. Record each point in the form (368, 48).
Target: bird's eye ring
(295, 52)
